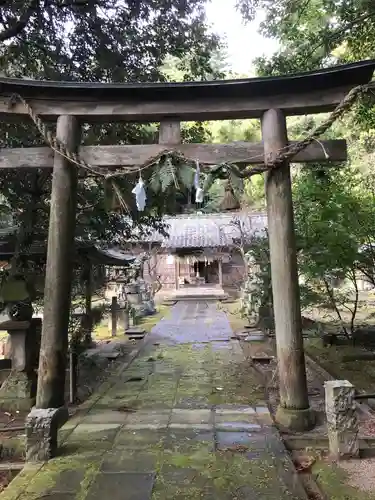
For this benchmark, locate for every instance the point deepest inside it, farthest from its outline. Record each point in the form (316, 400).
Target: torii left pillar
(57, 290)
(50, 413)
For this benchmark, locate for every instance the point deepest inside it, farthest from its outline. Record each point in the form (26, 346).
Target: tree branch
(16, 28)
(339, 32)
(73, 3)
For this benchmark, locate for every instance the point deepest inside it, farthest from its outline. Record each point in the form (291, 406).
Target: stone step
(198, 297)
(135, 333)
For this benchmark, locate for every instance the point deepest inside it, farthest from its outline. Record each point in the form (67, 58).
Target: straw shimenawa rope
(285, 154)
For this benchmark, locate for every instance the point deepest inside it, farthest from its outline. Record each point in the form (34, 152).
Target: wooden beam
(57, 291)
(293, 411)
(183, 109)
(244, 153)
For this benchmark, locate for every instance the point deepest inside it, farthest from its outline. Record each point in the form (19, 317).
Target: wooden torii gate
(270, 99)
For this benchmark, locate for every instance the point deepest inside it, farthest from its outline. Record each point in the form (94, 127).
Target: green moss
(221, 473)
(181, 372)
(333, 481)
(18, 485)
(91, 472)
(198, 458)
(32, 485)
(232, 310)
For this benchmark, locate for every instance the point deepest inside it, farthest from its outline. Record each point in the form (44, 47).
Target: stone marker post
(113, 316)
(342, 421)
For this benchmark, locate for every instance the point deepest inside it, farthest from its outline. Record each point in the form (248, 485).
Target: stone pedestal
(342, 421)
(134, 295)
(42, 427)
(19, 389)
(149, 306)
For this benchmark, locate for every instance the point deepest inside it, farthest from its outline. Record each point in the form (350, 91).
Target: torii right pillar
(294, 410)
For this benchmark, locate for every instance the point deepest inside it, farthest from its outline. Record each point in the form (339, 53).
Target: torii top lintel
(296, 94)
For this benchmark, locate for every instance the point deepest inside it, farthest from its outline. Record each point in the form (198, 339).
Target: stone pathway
(186, 420)
(193, 322)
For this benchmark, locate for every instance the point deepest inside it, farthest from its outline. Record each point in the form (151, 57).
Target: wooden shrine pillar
(58, 280)
(294, 411)
(88, 302)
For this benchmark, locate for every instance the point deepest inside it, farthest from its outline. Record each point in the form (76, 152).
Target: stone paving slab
(122, 485)
(187, 420)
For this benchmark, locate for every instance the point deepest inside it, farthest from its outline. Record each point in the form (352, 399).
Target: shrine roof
(104, 256)
(209, 230)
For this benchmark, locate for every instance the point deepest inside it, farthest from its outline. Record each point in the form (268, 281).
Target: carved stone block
(342, 420)
(42, 427)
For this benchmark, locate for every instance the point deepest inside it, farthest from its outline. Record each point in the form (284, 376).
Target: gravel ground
(361, 473)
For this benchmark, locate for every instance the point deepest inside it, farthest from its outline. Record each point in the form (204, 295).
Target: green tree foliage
(314, 33)
(252, 190)
(334, 207)
(97, 40)
(177, 69)
(102, 40)
(334, 213)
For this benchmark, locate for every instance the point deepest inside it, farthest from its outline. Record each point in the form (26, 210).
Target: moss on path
(184, 421)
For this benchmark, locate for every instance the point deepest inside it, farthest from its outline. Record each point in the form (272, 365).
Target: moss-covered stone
(17, 393)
